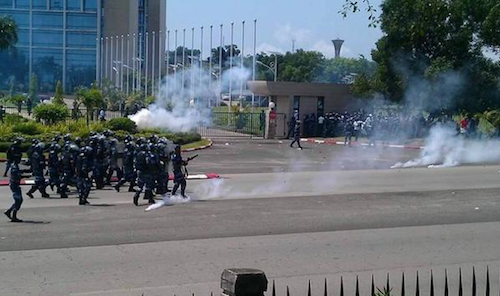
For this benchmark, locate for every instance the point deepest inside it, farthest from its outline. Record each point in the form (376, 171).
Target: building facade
(64, 40)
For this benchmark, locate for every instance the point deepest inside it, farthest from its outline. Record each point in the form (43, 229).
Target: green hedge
(122, 124)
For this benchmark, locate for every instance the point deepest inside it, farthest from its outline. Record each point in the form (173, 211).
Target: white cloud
(286, 33)
(266, 47)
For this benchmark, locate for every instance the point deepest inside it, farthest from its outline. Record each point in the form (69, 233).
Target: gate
(234, 125)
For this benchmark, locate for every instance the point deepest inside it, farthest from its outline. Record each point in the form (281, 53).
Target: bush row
(14, 127)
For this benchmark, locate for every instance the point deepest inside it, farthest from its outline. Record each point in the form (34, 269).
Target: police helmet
(67, 137)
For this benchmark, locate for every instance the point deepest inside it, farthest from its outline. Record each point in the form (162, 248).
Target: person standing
(296, 135)
(15, 182)
(321, 129)
(128, 167)
(13, 154)
(29, 106)
(38, 166)
(179, 177)
(291, 126)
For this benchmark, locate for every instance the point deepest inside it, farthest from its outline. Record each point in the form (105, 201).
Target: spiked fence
(387, 290)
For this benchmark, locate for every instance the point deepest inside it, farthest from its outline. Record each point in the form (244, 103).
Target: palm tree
(90, 98)
(8, 32)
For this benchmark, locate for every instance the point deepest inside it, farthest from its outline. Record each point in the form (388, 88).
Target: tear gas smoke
(444, 148)
(183, 101)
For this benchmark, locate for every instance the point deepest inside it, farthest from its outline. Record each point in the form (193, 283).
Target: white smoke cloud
(185, 98)
(444, 148)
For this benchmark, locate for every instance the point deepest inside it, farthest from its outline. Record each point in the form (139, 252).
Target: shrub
(14, 119)
(28, 128)
(4, 146)
(51, 113)
(122, 124)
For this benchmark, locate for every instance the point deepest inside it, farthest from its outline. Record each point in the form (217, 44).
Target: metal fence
(222, 124)
(226, 124)
(424, 284)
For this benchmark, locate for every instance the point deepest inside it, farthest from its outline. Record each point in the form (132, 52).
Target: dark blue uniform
(15, 180)
(37, 167)
(179, 177)
(128, 167)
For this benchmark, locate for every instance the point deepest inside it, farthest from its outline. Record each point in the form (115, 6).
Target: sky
(312, 23)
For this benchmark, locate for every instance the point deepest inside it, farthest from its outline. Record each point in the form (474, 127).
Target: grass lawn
(201, 143)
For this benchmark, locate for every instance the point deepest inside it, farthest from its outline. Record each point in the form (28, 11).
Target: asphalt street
(323, 212)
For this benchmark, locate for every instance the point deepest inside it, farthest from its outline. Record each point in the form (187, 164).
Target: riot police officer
(179, 178)
(83, 164)
(37, 161)
(54, 165)
(15, 180)
(143, 176)
(14, 154)
(113, 161)
(128, 167)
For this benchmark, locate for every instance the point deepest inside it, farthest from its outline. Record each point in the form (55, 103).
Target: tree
(59, 95)
(90, 98)
(8, 32)
(51, 113)
(33, 90)
(336, 70)
(351, 6)
(301, 66)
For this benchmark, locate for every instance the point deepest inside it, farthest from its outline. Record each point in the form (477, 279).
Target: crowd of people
(84, 164)
(385, 127)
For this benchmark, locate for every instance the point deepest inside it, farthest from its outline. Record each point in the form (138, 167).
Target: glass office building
(57, 41)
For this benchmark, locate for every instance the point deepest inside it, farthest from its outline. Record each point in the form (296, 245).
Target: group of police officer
(93, 162)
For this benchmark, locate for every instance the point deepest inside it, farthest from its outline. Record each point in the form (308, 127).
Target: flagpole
(231, 56)
(254, 60)
(153, 65)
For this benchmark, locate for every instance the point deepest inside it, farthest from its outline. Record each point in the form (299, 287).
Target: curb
(208, 176)
(333, 142)
(199, 148)
(185, 150)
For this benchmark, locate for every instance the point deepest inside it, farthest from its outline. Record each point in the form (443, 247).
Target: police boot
(31, 191)
(7, 213)
(44, 193)
(81, 201)
(131, 187)
(117, 187)
(150, 196)
(136, 198)
(14, 218)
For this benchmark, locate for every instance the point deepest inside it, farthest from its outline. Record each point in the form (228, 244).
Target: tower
(338, 46)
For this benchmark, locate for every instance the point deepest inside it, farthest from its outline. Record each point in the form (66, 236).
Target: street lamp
(275, 53)
(270, 69)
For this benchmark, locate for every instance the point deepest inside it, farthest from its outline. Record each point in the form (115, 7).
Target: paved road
(295, 214)
(102, 250)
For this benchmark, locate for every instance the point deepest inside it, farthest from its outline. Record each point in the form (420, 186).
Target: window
(80, 68)
(47, 20)
(47, 65)
(22, 19)
(73, 5)
(321, 106)
(22, 3)
(40, 4)
(82, 21)
(23, 38)
(296, 103)
(90, 5)
(81, 39)
(56, 4)
(46, 38)
(6, 3)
